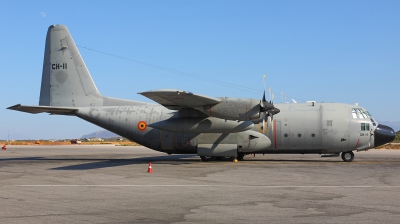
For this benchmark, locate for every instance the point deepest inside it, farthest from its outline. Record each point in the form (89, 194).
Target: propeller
(268, 108)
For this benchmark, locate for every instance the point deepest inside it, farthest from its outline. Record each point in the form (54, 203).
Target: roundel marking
(142, 125)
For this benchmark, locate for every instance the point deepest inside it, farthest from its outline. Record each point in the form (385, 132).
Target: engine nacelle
(242, 109)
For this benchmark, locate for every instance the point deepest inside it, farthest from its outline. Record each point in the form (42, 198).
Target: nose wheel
(348, 156)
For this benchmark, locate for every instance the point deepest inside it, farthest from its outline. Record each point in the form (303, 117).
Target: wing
(177, 99)
(44, 109)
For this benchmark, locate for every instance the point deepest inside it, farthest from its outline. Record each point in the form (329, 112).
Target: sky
(330, 51)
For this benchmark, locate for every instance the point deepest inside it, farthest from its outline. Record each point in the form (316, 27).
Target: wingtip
(14, 106)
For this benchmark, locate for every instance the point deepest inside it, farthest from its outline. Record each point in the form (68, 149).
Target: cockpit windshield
(359, 113)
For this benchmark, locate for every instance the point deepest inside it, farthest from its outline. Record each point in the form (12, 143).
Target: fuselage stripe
(358, 142)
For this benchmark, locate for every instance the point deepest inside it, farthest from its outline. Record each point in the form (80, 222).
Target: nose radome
(383, 134)
(276, 110)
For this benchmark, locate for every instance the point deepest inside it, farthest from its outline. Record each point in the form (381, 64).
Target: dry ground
(40, 142)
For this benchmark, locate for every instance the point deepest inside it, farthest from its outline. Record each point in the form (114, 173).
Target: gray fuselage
(298, 128)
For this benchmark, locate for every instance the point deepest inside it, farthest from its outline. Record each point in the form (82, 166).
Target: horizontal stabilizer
(44, 109)
(174, 99)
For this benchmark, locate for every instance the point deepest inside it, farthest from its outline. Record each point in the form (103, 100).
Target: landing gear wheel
(348, 156)
(240, 156)
(207, 158)
(228, 158)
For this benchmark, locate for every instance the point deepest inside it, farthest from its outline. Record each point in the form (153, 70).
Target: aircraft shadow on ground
(105, 163)
(98, 163)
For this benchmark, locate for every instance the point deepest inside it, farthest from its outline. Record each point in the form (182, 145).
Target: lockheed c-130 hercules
(188, 123)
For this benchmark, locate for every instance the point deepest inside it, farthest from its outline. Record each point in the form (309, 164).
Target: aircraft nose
(383, 134)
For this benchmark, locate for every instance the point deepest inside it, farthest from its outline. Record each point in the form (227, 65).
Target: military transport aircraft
(188, 123)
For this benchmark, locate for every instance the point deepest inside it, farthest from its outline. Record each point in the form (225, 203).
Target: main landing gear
(208, 158)
(348, 156)
(239, 157)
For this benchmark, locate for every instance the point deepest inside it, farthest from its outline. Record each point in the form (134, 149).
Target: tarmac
(110, 184)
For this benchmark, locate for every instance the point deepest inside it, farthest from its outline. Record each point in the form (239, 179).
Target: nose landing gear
(348, 156)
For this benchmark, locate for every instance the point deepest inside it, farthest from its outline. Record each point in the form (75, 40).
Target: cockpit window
(359, 113)
(373, 122)
(353, 112)
(364, 126)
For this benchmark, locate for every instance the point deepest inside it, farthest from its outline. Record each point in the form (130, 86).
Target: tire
(207, 158)
(240, 156)
(228, 158)
(348, 156)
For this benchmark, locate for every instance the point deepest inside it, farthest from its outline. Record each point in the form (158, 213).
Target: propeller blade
(263, 124)
(263, 99)
(264, 82)
(267, 108)
(269, 92)
(269, 120)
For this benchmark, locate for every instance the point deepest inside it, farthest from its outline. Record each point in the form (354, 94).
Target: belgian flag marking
(142, 125)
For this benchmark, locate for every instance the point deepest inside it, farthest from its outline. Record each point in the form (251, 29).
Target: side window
(373, 122)
(367, 126)
(362, 126)
(353, 112)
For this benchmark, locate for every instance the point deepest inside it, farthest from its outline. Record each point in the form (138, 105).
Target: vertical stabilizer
(65, 79)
